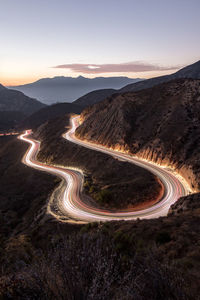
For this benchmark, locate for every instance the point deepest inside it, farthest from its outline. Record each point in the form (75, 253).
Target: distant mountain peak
(68, 89)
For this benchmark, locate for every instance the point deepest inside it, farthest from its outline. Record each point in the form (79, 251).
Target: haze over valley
(68, 89)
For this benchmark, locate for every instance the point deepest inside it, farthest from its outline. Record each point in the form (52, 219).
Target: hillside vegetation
(43, 259)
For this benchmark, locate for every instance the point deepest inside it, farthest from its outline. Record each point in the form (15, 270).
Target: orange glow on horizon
(30, 79)
(18, 81)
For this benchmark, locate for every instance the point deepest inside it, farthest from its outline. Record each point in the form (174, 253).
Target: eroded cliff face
(160, 124)
(185, 171)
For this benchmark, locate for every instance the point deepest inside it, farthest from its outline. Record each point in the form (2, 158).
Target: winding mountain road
(76, 209)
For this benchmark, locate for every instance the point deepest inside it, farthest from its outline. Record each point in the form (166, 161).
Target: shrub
(104, 196)
(89, 267)
(163, 237)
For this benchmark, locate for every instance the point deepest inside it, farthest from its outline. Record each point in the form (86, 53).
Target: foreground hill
(68, 89)
(191, 71)
(161, 124)
(142, 259)
(11, 100)
(117, 185)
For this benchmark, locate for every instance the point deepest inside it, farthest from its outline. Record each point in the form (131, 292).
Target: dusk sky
(143, 38)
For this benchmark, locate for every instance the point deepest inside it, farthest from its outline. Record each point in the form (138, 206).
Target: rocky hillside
(189, 205)
(117, 185)
(160, 124)
(11, 100)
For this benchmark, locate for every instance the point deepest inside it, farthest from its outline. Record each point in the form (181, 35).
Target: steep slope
(11, 100)
(161, 124)
(23, 190)
(191, 71)
(94, 97)
(68, 89)
(48, 113)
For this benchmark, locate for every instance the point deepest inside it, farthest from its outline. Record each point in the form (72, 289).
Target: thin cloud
(115, 68)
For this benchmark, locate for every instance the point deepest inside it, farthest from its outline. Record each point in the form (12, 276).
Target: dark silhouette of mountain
(68, 89)
(11, 100)
(94, 97)
(191, 71)
(160, 124)
(49, 112)
(9, 119)
(2, 87)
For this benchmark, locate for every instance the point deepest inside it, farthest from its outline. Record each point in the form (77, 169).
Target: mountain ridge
(68, 89)
(11, 100)
(190, 71)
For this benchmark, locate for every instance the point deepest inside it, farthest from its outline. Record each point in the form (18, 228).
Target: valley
(116, 190)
